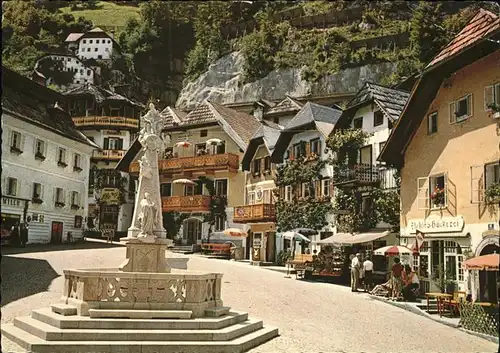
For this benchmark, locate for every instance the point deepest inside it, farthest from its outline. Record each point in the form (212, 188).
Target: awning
(483, 263)
(357, 238)
(296, 236)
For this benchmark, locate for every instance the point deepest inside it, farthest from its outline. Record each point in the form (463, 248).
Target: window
(437, 190)
(378, 118)
(219, 148)
(88, 49)
(221, 187)
(432, 124)
(267, 164)
(288, 193)
(256, 166)
(325, 187)
(381, 146)
(77, 162)
(109, 41)
(40, 149)
(100, 56)
(37, 191)
(492, 96)
(276, 120)
(219, 223)
(316, 146)
(200, 149)
(84, 41)
(97, 41)
(461, 109)
(299, 149)
(95, 49)
(250, 198)
(75, 199)
(88, 73)
(203, 133)
(492, 174)
(358, 123)
(166, 190)
(15, 142)
(61, 157)
(11, 186)
(308, 189)
(69, 59)
(59, 196)
(90, 41)
(113, 143)
(81, 71)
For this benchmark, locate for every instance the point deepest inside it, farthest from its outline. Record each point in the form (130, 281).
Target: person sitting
(412, 284)
(383, 289)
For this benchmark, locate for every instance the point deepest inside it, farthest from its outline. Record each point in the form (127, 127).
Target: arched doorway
(488, 280)
(192, 230)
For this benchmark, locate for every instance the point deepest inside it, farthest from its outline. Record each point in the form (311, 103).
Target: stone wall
(224, 83)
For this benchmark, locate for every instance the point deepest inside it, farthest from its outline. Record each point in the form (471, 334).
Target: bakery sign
(110, 196)
(436, 225)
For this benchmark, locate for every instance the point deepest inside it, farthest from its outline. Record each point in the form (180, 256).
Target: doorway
(192, 231)
(488, 280)
(57, 232)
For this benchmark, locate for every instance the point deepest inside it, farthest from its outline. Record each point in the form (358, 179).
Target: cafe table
(440, 297)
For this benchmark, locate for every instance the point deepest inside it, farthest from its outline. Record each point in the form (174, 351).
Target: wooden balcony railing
(196, 203)
(208, 162)
(106, 121)
(358, 173)
(262, 212)
(108, 154)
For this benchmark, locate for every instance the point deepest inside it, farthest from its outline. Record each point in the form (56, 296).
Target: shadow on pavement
(22, 277)
(34, 248)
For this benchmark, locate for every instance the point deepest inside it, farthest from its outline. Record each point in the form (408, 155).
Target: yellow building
(447, 146)
(208, 142)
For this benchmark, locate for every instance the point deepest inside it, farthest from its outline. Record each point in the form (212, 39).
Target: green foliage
(492, 193)
(299, 170)
(317, 7)
(172, 221)
(53, 69)
(283, 257)
(97, 179)
(442, 278)
(218, 204)
(346, 143)
(104, 14)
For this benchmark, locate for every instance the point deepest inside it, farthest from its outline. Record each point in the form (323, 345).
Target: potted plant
(492, 193)
(437, 197)
(443, 279)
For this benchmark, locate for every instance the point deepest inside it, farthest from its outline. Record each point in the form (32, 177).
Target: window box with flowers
(492, 193)
(437, 197)
(494, 110)
(62, 164)
(75, 207)
(77, 169)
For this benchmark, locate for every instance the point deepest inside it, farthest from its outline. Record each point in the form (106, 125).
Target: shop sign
(436, 225)
(110, 196)
(10, 201)
(114, 132)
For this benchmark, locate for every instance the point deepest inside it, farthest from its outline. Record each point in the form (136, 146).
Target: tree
(172, 222)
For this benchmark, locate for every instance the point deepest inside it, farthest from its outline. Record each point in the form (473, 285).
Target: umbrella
(483, 263)
(393, 250)
(235, 232)
(306, 231)
(183, 144)
(297, 236)
(213, 141)
(184, 181)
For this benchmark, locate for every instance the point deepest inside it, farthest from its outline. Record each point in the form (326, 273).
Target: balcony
(197, 164)
(196, 203)
(356, 175)
(109, 155)
(106, 121)
(262, 212)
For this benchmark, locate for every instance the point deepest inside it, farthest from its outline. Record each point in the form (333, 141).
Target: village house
(94, 44)
(111, 121)
(45, 163)
(446, 144)
(201, 163)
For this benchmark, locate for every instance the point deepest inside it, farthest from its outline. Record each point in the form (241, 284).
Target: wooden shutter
(307, 148)
(106, 143)
(423, 193)
(470, 108)
(446, 187)
(291, 153)
(452, 112)
(318, 188)
(319, 148)
(477, 184)
(120, 144)
(488, 97)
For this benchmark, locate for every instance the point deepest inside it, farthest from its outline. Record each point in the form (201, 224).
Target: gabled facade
(207, 142)
(112, 122)
(447, 146)
(95, 44)
(45, 163)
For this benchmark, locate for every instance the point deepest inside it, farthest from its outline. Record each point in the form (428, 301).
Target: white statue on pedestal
(148, 217)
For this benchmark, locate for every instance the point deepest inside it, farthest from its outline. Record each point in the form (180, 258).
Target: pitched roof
(286, 105)
(100, 94)
(38, 105)
(391, 101)
(202, 114)
(481, 25)
(267, 134)
(172, 116)
(73, 37)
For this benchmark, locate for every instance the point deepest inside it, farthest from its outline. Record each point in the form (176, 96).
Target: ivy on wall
(218, 204)
(97, 180)
(172, 221)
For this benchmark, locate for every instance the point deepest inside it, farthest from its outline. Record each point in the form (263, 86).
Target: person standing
(14, 234)
(368, 270)
(355, 267)
(23, 234)
(396, 273)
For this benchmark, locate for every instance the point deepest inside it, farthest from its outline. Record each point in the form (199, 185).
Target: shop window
(316, 146)
(15, 142)
(432, 123)
(461, 109)
(219, 223)
(61, 157)
(288, 193)
(12, 186)
(221, 187)
(378, 118)
(325, 187)
(358, 123)
(492, 96)
(166, 190)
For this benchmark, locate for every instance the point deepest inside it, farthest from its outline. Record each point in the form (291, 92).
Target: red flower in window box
(437, 196)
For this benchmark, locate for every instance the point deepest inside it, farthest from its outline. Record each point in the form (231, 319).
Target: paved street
(312, 317)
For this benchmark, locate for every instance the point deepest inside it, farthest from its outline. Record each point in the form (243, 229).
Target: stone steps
(140, 314)
(51, 333)
(238, 345)
(85, 322)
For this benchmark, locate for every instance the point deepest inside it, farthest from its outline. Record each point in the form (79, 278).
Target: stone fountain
(147, 304)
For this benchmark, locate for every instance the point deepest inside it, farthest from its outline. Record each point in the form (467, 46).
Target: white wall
(92, 48)
(27, 170)
(83, 73)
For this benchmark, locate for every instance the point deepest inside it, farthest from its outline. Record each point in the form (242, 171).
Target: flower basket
(437, 197)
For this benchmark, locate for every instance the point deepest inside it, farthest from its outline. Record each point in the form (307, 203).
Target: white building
(95, 44)
(82, 73)
(45, 162)
(112, 122)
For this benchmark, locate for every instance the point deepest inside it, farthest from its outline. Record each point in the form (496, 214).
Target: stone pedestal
(146, 256)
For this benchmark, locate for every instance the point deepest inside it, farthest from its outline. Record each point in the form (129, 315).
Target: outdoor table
(440, 297)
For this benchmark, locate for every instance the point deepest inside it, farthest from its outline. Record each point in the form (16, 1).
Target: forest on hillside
(197, 33)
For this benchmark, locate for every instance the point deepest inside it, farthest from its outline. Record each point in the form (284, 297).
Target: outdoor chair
(453, 304)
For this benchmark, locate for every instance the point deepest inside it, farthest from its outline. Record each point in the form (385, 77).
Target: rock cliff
(223, 83)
